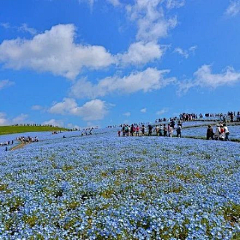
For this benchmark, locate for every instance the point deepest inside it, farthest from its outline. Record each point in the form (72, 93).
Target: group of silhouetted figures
(27, 139)
(6, 144)
(165, 130)
(221, 132)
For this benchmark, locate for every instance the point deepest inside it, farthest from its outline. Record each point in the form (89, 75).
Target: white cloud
(115, 3)
(185, 53)
(37, 107)
(141, 53)
(17, 120)
(90, 2)
(182, 52)
(20, 119)
(5, 25)
(127, 114)
(54, 122)
(193, 49)
(204, 77)
(3, 120)
(233, 8)
(174, 3)
(148, 80)
(143, 110)
(54, 51)
(150, 19)
(5, 83)
(162, 111)
(64, 107)
(90, 111)
(24, 28)
(72, 126)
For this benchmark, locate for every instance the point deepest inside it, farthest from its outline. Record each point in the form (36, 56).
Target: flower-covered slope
(106, 187)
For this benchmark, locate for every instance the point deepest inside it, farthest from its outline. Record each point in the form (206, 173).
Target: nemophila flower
(105, 187)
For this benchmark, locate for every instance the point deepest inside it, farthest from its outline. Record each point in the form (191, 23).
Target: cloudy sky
(105, 62)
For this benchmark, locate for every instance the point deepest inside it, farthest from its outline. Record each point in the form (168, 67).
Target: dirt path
(21, 145)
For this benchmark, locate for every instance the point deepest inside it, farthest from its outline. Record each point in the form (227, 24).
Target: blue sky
(99, 63)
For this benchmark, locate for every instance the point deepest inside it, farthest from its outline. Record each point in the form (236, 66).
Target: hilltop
(22, 129)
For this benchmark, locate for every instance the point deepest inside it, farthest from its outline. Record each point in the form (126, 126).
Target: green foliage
(4, 130)
(14, 204)
(4, 188)
(66, 168)
(38, 236)
(232, 213)
(30, 220)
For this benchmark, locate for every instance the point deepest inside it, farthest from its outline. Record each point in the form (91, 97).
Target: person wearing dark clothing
(150, 127)
(180, 123)
(161, 130)
(143, 130)
(179, 131)
(123, 130)
(172, 124)
(210, 133)
(165, 130)
(132, 130)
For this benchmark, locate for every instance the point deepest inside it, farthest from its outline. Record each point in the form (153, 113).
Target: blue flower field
(108, 187)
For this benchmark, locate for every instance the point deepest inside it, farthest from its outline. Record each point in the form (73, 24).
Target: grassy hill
(21, 129)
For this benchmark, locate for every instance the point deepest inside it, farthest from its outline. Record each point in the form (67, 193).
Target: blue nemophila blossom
(106, 187)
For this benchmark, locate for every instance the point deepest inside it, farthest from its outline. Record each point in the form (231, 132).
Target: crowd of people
(6, 143)
(27, 139)
(229, 116)
(167, 130)
(164, 129)
(20, 139)
(221, 132)
(87, 131)
(182, 117)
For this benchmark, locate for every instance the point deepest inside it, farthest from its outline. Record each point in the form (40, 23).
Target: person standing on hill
(226, 131)
(217, 132)
(165, 130)
(172, 124)
(170, 130)
(157, 130)
(132, 130)
(161, 130)
(150, 127)
(123, 130)
(222, 133)
(137, 130)
(179, 131)
(210, 133)
(143, 130)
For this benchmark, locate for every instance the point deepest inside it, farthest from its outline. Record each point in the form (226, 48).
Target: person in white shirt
(217, 132)
(226, 131)
(170, 130)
